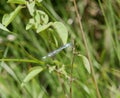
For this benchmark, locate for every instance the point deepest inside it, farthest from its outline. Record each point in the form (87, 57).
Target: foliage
(30, 29)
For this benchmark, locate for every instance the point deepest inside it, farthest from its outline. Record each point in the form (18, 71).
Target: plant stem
(87, 50)
(73, 56)
(22, 60)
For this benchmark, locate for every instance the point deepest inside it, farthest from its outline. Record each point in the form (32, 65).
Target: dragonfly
(57, 51)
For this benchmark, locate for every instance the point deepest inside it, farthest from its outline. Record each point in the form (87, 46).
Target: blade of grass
(23, 60)
(9, 70)
(110, 22)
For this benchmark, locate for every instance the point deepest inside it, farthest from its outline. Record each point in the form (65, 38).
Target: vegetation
(87, 67)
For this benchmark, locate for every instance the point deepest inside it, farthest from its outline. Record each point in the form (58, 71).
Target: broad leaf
(43, 27)
(30, 7)
(32, 74)
(8, 18)
(17, 1)
(30, 24)
(43, 17)
(39, 1)
(86, 63)
(62, 31)
(39, 21)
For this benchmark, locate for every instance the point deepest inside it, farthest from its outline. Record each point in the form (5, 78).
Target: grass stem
(71, 73)
(87, 50)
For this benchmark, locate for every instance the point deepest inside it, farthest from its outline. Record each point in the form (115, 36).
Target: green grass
(21, 56)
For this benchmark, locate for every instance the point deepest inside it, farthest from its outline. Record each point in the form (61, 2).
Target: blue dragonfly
(57, 51)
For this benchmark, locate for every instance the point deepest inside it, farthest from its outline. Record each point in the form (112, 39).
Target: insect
(57, 50)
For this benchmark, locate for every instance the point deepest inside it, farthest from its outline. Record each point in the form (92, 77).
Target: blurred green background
(101, 24)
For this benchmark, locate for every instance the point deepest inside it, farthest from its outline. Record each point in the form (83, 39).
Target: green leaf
(9, 70)
(86, 88)
(34, 71)
(8, 18)
(86, 63)
(39, 21)
(38, 1)
(52, 68)
(30, 24)
(43, 17)
(30, 7)
(43, 27)
(2, 27)
(62, 31)
(6, 66)
(17, 1)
